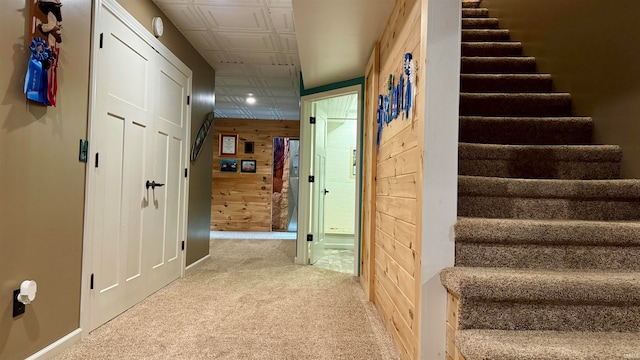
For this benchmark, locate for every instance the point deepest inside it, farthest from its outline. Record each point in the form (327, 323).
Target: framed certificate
(228, 144)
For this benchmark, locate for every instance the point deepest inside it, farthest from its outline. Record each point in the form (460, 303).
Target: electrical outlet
(18, 307)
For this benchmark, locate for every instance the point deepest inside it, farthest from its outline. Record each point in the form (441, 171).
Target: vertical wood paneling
(242, 201)
(398, 176)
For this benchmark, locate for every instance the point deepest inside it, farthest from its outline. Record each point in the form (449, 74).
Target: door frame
(132, 23)
(304, 193)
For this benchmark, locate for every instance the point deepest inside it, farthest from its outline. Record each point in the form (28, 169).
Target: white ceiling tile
(288, 43)
(274, 71)
(235, 82)
(257, 58)
(185, 16)
(278, 83)
(282, 20)
(255, 42)
(279, 3)
(235, 18)
(203, 40)
(229, 2)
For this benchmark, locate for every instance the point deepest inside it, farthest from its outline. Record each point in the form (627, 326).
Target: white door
(319, 190)
(163, 219)
(137, 135)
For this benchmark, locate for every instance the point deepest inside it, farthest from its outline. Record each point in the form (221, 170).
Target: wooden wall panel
(398, 175)
(242, 201)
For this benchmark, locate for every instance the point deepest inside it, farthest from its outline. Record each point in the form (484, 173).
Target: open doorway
(284, 202)
(329, 200)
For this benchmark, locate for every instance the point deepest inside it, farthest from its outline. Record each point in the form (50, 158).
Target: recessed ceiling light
(251, 100)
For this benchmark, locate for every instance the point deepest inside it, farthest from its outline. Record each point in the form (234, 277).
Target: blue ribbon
(36, 82)
(379, 118)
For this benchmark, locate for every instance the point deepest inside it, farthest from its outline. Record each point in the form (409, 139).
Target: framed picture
(248, 166)
(248, 147)
(228, 165)
(228, 144)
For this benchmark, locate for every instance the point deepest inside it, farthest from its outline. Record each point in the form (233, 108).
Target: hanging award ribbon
(41, 80)
(37, 79)
(400, 94)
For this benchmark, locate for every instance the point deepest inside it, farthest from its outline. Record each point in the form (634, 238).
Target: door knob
(153, 185)
(326, 191)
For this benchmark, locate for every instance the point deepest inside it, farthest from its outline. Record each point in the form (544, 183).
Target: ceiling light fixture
(251, 100)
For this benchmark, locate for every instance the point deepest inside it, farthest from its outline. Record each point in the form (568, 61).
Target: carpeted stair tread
(581, 162)
(503, 48)
(547, 232)
(523, 130)
(468, 4)
(549, 286)
(505, 83)
(484, 35)
(475, 12)
(491, 197)
(480, 23)
(498, 65)
(586, 153)
(546, 345)
(515, 104)
(623, 189)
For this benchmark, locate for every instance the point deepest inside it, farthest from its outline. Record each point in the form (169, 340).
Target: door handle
(153, 185)
(326, 191)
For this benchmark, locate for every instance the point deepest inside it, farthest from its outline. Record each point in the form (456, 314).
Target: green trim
(329, 87)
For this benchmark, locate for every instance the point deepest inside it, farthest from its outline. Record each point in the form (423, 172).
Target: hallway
(248, 301)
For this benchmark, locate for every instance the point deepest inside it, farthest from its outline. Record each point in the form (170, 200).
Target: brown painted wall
(203, 96)
(397, 193)
(242, 201)
(592, 51)
(41, 183)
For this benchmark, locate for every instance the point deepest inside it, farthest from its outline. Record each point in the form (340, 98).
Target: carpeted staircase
(548, 236)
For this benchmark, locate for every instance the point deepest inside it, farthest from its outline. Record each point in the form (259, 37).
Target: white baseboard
(197, 263)
(58, 347)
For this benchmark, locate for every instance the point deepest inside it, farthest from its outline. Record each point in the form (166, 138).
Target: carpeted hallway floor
(249, 301)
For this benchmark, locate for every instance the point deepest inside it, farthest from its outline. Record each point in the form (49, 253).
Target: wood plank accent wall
(242, 201)
(453, 304)
(397, 234)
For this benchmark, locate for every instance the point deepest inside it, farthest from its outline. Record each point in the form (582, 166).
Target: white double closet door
(138, 137)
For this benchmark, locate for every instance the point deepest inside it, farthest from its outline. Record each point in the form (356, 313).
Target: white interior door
(319, 190)
(138, 135)
(164, 223)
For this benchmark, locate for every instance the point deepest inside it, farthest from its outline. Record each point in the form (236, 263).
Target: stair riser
(495, 49)
(523, 132)
(475, 13)
(539, 169)
(480, 23)
(548, 256)
(540, 208)
(485, 35)
(539, 316)
(492, 84)
(514, 106)
(470, 4)
(471, 65)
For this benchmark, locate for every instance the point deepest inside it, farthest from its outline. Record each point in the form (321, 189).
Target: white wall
(441, 24)
(341, 183)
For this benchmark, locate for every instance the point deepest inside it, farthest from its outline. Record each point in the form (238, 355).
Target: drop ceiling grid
(253, 48)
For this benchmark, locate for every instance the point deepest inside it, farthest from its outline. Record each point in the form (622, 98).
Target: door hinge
(101, 39)
(312, 178)
(188, 99)
(186, 172)
(91, 283)
(312, 120)
(309, 237)
(97, 159)
(183, 245)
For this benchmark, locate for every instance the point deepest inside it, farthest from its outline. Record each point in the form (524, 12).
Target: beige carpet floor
(248, 301)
